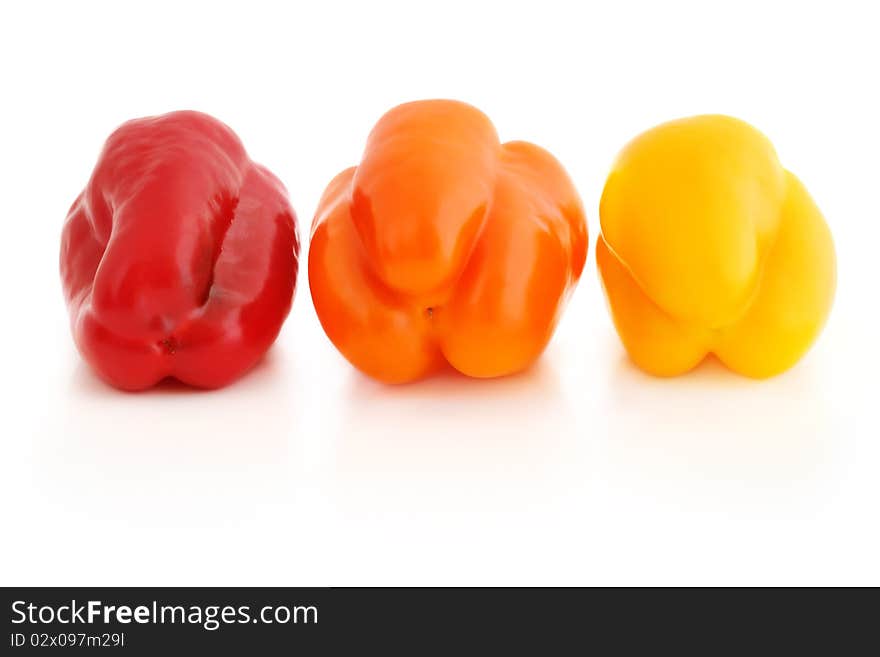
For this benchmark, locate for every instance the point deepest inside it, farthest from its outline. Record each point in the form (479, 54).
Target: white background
(580, 471)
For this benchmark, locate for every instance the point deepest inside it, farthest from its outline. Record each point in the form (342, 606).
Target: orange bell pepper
(445, 246)
(709, 245)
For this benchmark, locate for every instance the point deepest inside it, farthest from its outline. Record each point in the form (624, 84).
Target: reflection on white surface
(172, 454)
(714, 429)
(454, 443)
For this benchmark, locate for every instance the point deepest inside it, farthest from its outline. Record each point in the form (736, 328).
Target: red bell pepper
(179, 258)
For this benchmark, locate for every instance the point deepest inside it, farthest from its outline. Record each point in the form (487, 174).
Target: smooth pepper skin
(445, 246)
(179, 258)
(709, 245)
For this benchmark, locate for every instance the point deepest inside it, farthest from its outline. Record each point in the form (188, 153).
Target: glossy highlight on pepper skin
(445, 246)
(710, 246)
(179, 258)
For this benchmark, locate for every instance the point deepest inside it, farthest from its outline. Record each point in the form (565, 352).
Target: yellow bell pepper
(710, 246)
